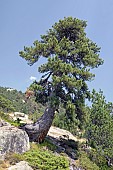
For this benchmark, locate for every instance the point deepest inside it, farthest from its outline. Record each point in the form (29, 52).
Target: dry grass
(4, 165)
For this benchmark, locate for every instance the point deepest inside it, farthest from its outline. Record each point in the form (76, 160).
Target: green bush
(86, 163)
(43, 159)
(40, 157)
(99, 159)
(61, 121)
(105, 167)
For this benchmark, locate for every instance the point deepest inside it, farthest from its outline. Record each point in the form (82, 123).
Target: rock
(20, 116)
(13, 139)
(61, 133)
(66, 143)
(21, 165)
(3, 123)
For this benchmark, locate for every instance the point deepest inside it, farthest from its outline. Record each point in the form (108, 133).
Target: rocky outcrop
(21, 165)
(13, 139)
(58, 133)
(22, 117)
(67, 143)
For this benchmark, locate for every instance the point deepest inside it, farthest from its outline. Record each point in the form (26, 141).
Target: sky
(23, 21)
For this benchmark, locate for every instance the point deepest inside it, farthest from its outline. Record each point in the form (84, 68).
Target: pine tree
(100, 126)
(69, 57)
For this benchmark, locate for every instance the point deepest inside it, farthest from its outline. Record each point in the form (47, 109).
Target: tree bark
(38, 131)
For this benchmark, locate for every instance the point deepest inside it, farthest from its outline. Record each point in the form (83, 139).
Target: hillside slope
(13, 100)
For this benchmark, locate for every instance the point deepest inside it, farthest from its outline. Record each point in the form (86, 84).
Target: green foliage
(47, 143)
(97, 158)
(6, 118)
(39, 157)
(64, 121)
(86, 163)
(70, 56)
(61, 120)
(99, 130)
(34, 117)
(45, 160)
(6, 105)
(14, 100)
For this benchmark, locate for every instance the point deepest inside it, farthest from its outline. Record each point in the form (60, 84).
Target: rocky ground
(66, 143)
(16, 140)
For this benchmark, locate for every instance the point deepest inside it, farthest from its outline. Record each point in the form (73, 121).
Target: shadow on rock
(65, 145)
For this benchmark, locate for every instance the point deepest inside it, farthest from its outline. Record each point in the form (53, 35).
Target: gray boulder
(13, 139)
(21, 165)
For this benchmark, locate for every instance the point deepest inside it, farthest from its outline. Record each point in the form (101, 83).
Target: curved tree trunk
(38, 131)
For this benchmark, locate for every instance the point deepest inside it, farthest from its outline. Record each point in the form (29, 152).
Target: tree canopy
(100, 126)
(69, 57)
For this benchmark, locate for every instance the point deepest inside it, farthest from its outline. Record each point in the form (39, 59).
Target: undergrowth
(85, 163)
(40, 157)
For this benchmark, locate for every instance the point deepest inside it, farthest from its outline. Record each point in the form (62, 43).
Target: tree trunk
(38, 131)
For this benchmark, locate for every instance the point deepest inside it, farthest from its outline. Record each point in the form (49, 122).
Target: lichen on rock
(14, 140)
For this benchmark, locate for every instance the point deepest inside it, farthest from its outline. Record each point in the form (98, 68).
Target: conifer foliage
(69, 56)
(100, 126)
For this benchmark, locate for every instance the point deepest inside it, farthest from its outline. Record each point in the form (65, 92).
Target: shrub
(41, 158)
(99, 159)
(45, 159)
(86, 163)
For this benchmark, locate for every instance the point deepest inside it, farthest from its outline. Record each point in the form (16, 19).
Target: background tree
(15, 101)
(69, 56)
(6, 105)
(100, 126)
